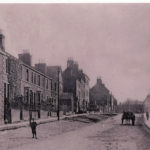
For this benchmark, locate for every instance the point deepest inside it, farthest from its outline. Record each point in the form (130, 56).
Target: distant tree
(135, 106)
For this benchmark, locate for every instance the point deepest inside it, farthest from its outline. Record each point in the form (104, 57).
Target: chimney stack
(26, 57)
(99, 81)
(2, 47)
(41, 67)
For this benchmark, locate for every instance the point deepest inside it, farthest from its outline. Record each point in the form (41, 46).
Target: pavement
(39, 121)
(146, 122)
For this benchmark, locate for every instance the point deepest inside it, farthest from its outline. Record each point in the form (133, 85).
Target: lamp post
(58, 97)
(20, 106)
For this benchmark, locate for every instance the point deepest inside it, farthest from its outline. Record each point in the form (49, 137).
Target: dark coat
(33, 126)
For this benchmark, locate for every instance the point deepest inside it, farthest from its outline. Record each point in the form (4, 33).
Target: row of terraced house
(28, 91)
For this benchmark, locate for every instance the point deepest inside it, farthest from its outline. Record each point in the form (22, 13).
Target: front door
(7, 108)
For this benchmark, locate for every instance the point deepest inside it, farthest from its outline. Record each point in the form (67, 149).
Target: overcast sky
(111, 41)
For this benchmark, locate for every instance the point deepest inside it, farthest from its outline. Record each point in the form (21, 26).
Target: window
(55, 86)
(87, 93)
(7, 66)
(27, 74)
(51, 85)
(26, 93)
(42, 97)
(47, 84)
(8, 88)
(31, 97)
(79, 94)
(39, 98)
(34, 78)
(43, 82)
(34, 99)
(5, 92)
(39, 80)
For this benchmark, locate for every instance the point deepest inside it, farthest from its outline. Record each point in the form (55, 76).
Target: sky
(111, 41)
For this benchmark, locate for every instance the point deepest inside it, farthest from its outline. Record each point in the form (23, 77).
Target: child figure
(33, 126)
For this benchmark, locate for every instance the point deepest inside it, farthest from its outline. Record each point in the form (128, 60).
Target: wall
(2, 75)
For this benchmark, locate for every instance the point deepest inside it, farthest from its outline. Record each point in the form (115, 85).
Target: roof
(30, 67)
(147, 99)
(52, 71)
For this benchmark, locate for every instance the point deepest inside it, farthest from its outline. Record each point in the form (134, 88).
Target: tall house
(147, 104)
(55, 72)
(77, 82)
(101, 98)
(4, 84)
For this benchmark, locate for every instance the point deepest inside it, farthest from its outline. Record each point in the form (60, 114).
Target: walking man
(33, 126)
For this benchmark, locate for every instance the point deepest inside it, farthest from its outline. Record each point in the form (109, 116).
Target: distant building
(77, 82)
(55, 72)
(67, 102)
(147, 104)
(101, 98)
(65, 98)
(135, 106)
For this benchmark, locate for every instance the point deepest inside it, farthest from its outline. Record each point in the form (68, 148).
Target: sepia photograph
(74, 76)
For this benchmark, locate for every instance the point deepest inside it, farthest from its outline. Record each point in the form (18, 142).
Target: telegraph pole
(58, 96)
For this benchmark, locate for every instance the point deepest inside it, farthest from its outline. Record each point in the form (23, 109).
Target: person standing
(147, 115)
(33, 126)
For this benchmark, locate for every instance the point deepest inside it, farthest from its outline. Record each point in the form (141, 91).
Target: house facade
(4, 89)
(147, 104)
(77, 82)
(101, 99)
(30, 89)
(26, 91)
(5, 112)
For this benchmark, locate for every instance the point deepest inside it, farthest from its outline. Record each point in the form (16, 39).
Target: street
(107, 134)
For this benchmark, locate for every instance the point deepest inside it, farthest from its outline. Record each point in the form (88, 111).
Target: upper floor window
(39, 80)
(55, 86)
(47, 84)
(27, 74)
(51, 85)
(87, 93)
(34, 78)
(43, 82)
(7, 66)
